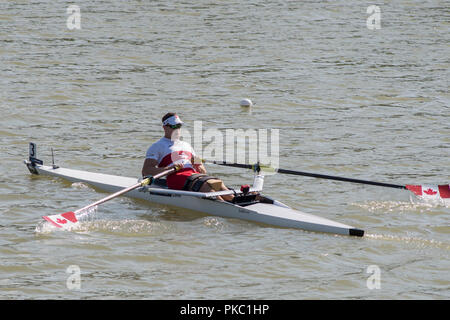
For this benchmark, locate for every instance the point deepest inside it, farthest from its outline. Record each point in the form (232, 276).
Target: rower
(170, 151)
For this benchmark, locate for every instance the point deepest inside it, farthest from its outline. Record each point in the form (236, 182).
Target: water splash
(415, 204)
(214, 223)
(394, 206)
(87, 214)
(435, 202)
(88, 221)
(80, 185)
(82, 216)
(44, 227)
(127, 227)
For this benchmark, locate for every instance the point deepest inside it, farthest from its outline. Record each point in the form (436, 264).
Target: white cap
(246, 103)
(173, 120)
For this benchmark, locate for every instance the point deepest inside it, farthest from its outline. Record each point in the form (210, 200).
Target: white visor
(173, 120)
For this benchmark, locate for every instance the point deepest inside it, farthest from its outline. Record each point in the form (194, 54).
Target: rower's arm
(198, 165)
(200, 168)
(150, 168)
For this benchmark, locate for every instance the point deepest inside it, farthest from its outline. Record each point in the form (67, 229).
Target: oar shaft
(309, 174)
(323, 176)
(224, 163)
(110, 197)
(120, 192)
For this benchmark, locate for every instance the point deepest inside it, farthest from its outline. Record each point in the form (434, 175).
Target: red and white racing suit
(167, 152)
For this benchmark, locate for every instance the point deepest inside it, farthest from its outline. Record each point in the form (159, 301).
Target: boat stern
(356, 232)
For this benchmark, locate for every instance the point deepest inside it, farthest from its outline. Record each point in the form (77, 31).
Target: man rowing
(170, 151)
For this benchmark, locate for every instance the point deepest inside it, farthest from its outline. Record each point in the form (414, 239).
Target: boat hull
(274, 214)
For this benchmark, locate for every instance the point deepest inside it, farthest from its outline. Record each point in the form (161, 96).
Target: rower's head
(172, 126)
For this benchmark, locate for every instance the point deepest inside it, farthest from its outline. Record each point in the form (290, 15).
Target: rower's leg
(216, 185)
(220, 186)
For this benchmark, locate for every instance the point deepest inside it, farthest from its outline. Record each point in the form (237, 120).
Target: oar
(69, 219)
(428, 191)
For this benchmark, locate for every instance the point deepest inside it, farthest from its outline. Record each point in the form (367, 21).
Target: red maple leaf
(430, 191)
(61, 221)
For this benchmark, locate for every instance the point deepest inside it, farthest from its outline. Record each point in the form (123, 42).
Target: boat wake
(414, 241)
(127, 227)
(117, 227)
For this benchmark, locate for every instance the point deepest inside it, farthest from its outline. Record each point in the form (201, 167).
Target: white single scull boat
(249, 205)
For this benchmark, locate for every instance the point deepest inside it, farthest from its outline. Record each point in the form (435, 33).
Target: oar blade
(65, 221)
(430, 191)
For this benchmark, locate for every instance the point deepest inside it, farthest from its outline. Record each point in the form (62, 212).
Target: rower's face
(173, 134)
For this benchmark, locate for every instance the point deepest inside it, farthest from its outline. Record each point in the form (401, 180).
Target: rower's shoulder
(165, 142)
(159, 142)
(185, 144)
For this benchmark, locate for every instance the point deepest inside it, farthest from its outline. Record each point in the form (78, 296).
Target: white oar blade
(65, 221)
(430, 191)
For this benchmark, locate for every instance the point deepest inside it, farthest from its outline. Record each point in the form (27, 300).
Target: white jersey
(166, 152)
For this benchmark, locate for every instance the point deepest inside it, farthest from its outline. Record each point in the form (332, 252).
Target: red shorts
(178, 179)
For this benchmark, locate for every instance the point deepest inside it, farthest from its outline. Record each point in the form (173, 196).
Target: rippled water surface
(349, 101)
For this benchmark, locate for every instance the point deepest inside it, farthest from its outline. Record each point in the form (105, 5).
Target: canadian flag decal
(430, 192)
(62, 221)
(441, 191)
(65, 220)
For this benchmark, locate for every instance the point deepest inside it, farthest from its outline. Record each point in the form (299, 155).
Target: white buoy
(246, 103)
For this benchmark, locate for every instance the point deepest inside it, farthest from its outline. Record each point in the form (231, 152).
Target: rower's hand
(178, 166)
(147, 180)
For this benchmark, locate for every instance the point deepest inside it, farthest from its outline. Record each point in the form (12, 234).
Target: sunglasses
(175, 126)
